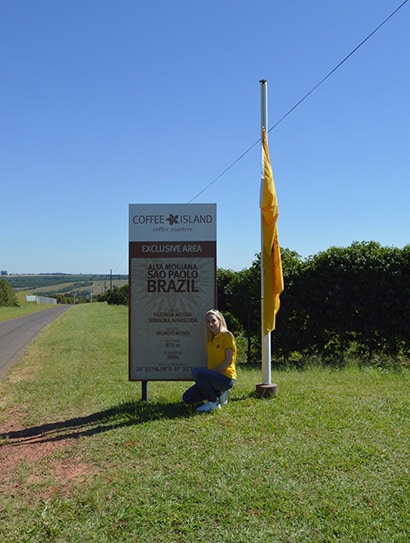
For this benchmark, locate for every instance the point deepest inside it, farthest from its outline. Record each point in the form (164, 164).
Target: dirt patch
(29, 464)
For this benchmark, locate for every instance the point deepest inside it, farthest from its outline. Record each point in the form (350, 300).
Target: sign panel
(172, 283)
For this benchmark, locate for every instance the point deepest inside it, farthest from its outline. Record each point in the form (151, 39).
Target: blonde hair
(220, 317)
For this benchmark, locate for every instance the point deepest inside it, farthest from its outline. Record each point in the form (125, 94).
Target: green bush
(7, 295)
(117, 295)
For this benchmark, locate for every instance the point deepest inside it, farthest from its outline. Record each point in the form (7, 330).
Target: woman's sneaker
(208, 406)
(223, 398)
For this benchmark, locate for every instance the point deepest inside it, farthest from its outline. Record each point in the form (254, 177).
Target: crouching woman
(212, 384)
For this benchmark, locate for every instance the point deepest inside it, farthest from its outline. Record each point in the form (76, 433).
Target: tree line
(351, 302)
(344, 301)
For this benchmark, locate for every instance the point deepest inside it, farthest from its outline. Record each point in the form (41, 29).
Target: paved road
(16, 334)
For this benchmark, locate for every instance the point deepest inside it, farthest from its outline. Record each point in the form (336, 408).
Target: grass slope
(84, 460)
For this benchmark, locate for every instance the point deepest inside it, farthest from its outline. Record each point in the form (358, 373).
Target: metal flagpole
(266, 345)
(265, 388)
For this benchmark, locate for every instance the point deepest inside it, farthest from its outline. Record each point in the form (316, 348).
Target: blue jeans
(208, 386)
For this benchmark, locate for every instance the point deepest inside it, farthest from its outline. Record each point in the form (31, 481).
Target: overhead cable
(292, 109)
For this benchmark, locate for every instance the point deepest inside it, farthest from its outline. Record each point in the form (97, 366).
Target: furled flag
(271, 260)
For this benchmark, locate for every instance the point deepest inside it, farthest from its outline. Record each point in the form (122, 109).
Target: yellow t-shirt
(216, 348)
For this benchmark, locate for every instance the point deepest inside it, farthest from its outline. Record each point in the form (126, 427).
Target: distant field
(52, 284)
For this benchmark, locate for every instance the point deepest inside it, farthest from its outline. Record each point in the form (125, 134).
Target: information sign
(172, 283)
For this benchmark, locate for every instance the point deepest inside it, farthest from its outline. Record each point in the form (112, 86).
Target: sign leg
(144, 390)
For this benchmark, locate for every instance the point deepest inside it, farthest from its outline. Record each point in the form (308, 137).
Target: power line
(292, 109)
(336, 67)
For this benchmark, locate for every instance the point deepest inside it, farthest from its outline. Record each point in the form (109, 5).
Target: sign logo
(172, 219)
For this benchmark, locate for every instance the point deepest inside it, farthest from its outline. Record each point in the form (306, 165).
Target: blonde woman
(212, 384)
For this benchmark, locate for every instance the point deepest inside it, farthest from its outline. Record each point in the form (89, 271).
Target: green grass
(24, 308)
(325, 461)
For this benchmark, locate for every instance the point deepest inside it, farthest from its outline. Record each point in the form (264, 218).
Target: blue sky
(106, 103)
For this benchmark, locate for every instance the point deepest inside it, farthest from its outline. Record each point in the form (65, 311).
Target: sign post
(172, 283)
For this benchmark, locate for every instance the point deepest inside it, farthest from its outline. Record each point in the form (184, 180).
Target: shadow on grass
(126, 414)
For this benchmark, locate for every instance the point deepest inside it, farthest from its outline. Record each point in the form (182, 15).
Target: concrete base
(266, 391)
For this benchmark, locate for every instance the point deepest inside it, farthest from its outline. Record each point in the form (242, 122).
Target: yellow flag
(272, 265)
